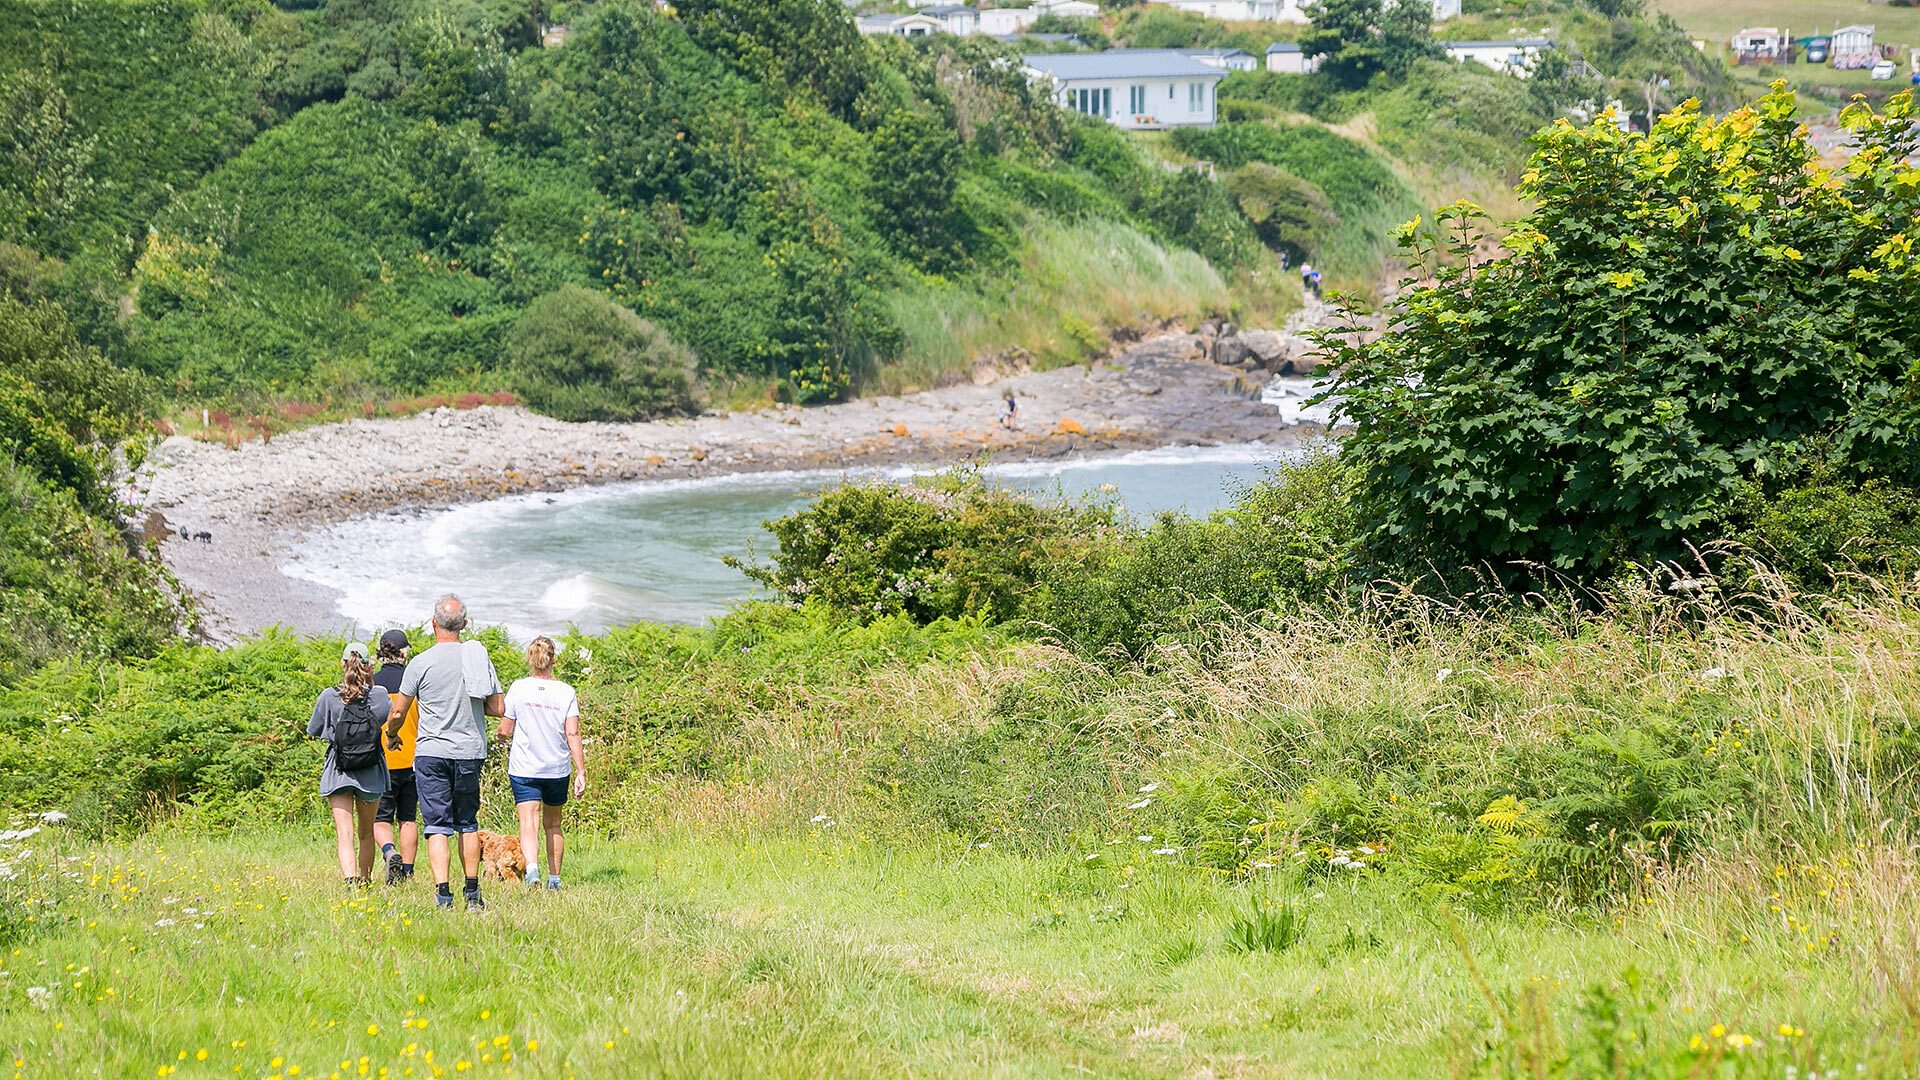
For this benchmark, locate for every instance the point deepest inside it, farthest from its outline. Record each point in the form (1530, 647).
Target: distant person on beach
(455, 692)
(354, 775)
(1010, 412)
(543, 720)
(396, 826)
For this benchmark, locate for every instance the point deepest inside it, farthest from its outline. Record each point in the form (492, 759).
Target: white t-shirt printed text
(539, 709)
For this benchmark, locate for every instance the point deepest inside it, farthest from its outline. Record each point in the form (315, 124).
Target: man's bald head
(450, 614)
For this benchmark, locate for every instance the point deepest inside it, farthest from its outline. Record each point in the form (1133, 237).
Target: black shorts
(402, 800)
(449, 794)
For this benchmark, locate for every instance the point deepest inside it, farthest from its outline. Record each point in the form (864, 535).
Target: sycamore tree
(1355, 40)
(1681, 314)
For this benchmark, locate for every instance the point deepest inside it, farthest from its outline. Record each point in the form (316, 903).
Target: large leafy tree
(66, 412)
(916, 167)
(1355, 40)
(1682, 312)
(805, 44)
(44, 156)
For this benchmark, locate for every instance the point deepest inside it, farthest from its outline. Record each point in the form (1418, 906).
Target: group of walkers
(1309, 276)
(406, 743)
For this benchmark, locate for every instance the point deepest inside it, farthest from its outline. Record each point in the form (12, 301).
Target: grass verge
(827, 950)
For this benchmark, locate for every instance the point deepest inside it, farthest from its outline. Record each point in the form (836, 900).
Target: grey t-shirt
(371, 780)
(453, 719)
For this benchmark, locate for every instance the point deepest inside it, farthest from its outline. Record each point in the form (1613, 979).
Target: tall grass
(1662, 834)
(1076, 285)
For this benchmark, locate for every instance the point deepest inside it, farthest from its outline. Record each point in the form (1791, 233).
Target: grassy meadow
(1667, 841)
(1719, 21)
(833, 951)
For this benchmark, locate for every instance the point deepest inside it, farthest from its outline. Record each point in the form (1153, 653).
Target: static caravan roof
(1517, 43)
(1122, 64)
(1284, 47)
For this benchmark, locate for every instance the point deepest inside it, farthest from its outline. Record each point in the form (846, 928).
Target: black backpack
(356, 737)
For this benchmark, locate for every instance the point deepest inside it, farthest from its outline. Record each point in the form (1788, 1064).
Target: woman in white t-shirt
(543, 720)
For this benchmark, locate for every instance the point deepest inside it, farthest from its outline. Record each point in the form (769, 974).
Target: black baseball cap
(393, 641)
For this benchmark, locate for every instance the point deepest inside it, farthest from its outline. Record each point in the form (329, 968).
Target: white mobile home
(1516, 57)
(1241, 10)
(1001, 21)
(1223, 58)
(1068, 9)
(1132, 88)
(1853, 47)
(956, 19)
(1286, 58)
(916, 25)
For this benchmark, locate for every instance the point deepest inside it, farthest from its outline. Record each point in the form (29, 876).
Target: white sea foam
(1290, 394)
(651, 548)
(568, 596)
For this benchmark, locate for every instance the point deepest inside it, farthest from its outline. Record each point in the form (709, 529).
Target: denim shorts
(548, 790)
(449, 794)
(402, 800)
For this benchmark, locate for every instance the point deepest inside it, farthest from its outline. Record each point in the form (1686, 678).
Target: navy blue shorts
(548, 790)
(402, 800)
(449, 794)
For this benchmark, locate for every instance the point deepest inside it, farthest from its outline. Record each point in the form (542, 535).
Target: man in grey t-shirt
(457, 689)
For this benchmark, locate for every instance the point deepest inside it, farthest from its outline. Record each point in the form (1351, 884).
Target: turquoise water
(604, 556)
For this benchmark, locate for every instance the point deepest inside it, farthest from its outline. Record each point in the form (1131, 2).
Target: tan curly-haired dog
(501, 856)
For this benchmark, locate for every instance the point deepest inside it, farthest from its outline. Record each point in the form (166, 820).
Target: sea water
(603, 556)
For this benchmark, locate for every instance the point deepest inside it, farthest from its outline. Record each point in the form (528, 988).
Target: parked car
(1817, 51)
(1881, 70)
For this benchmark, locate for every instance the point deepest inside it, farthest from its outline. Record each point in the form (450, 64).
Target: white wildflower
(1145, 838)
(18, 834)
(1146, 789)
(163, 922)
(1166, 851)
(1356, 864)
(1714, 673)
(817, 819)
(1339, 860)
(8, 873)
(1441, 675)
(53, 817)
(1089, 857)
(1141, 804)
(984, 843)
(1365, 850)
(39, 995)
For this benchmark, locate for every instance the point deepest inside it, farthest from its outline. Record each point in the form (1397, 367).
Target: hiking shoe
(474, 903)
(532, 879)
(443, 900)
(396, 872)
(553, 884)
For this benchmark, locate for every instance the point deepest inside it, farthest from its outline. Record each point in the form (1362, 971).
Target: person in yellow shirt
(400, 806)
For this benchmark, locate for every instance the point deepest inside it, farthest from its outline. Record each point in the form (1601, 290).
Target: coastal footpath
(248, 503)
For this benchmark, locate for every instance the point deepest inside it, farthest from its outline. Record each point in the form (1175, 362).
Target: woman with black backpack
(349, 718)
